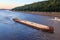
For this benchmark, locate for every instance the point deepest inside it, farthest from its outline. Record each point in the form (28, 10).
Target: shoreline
(55, 14)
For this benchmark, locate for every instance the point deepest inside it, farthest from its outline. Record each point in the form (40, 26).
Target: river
(10, 30)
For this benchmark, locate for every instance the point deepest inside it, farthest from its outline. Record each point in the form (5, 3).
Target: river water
(10, 30)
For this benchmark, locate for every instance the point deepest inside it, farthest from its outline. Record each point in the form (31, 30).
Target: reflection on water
(10, 30)
(56, 35)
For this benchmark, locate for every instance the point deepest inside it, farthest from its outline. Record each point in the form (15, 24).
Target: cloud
(9, 6)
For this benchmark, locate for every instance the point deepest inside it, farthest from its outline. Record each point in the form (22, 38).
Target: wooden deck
(35, 25)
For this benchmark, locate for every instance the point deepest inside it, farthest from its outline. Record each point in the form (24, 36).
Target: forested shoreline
(43, 6)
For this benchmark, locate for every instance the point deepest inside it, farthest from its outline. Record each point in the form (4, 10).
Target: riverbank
(57, 14)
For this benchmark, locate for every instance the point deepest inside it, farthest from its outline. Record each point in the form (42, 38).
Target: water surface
(10, 30)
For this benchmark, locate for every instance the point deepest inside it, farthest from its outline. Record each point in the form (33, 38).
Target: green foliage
(45, 6)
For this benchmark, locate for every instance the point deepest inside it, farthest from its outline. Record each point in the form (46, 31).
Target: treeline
(44, 6)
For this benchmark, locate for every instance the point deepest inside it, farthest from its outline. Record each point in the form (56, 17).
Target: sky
(9, 4)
